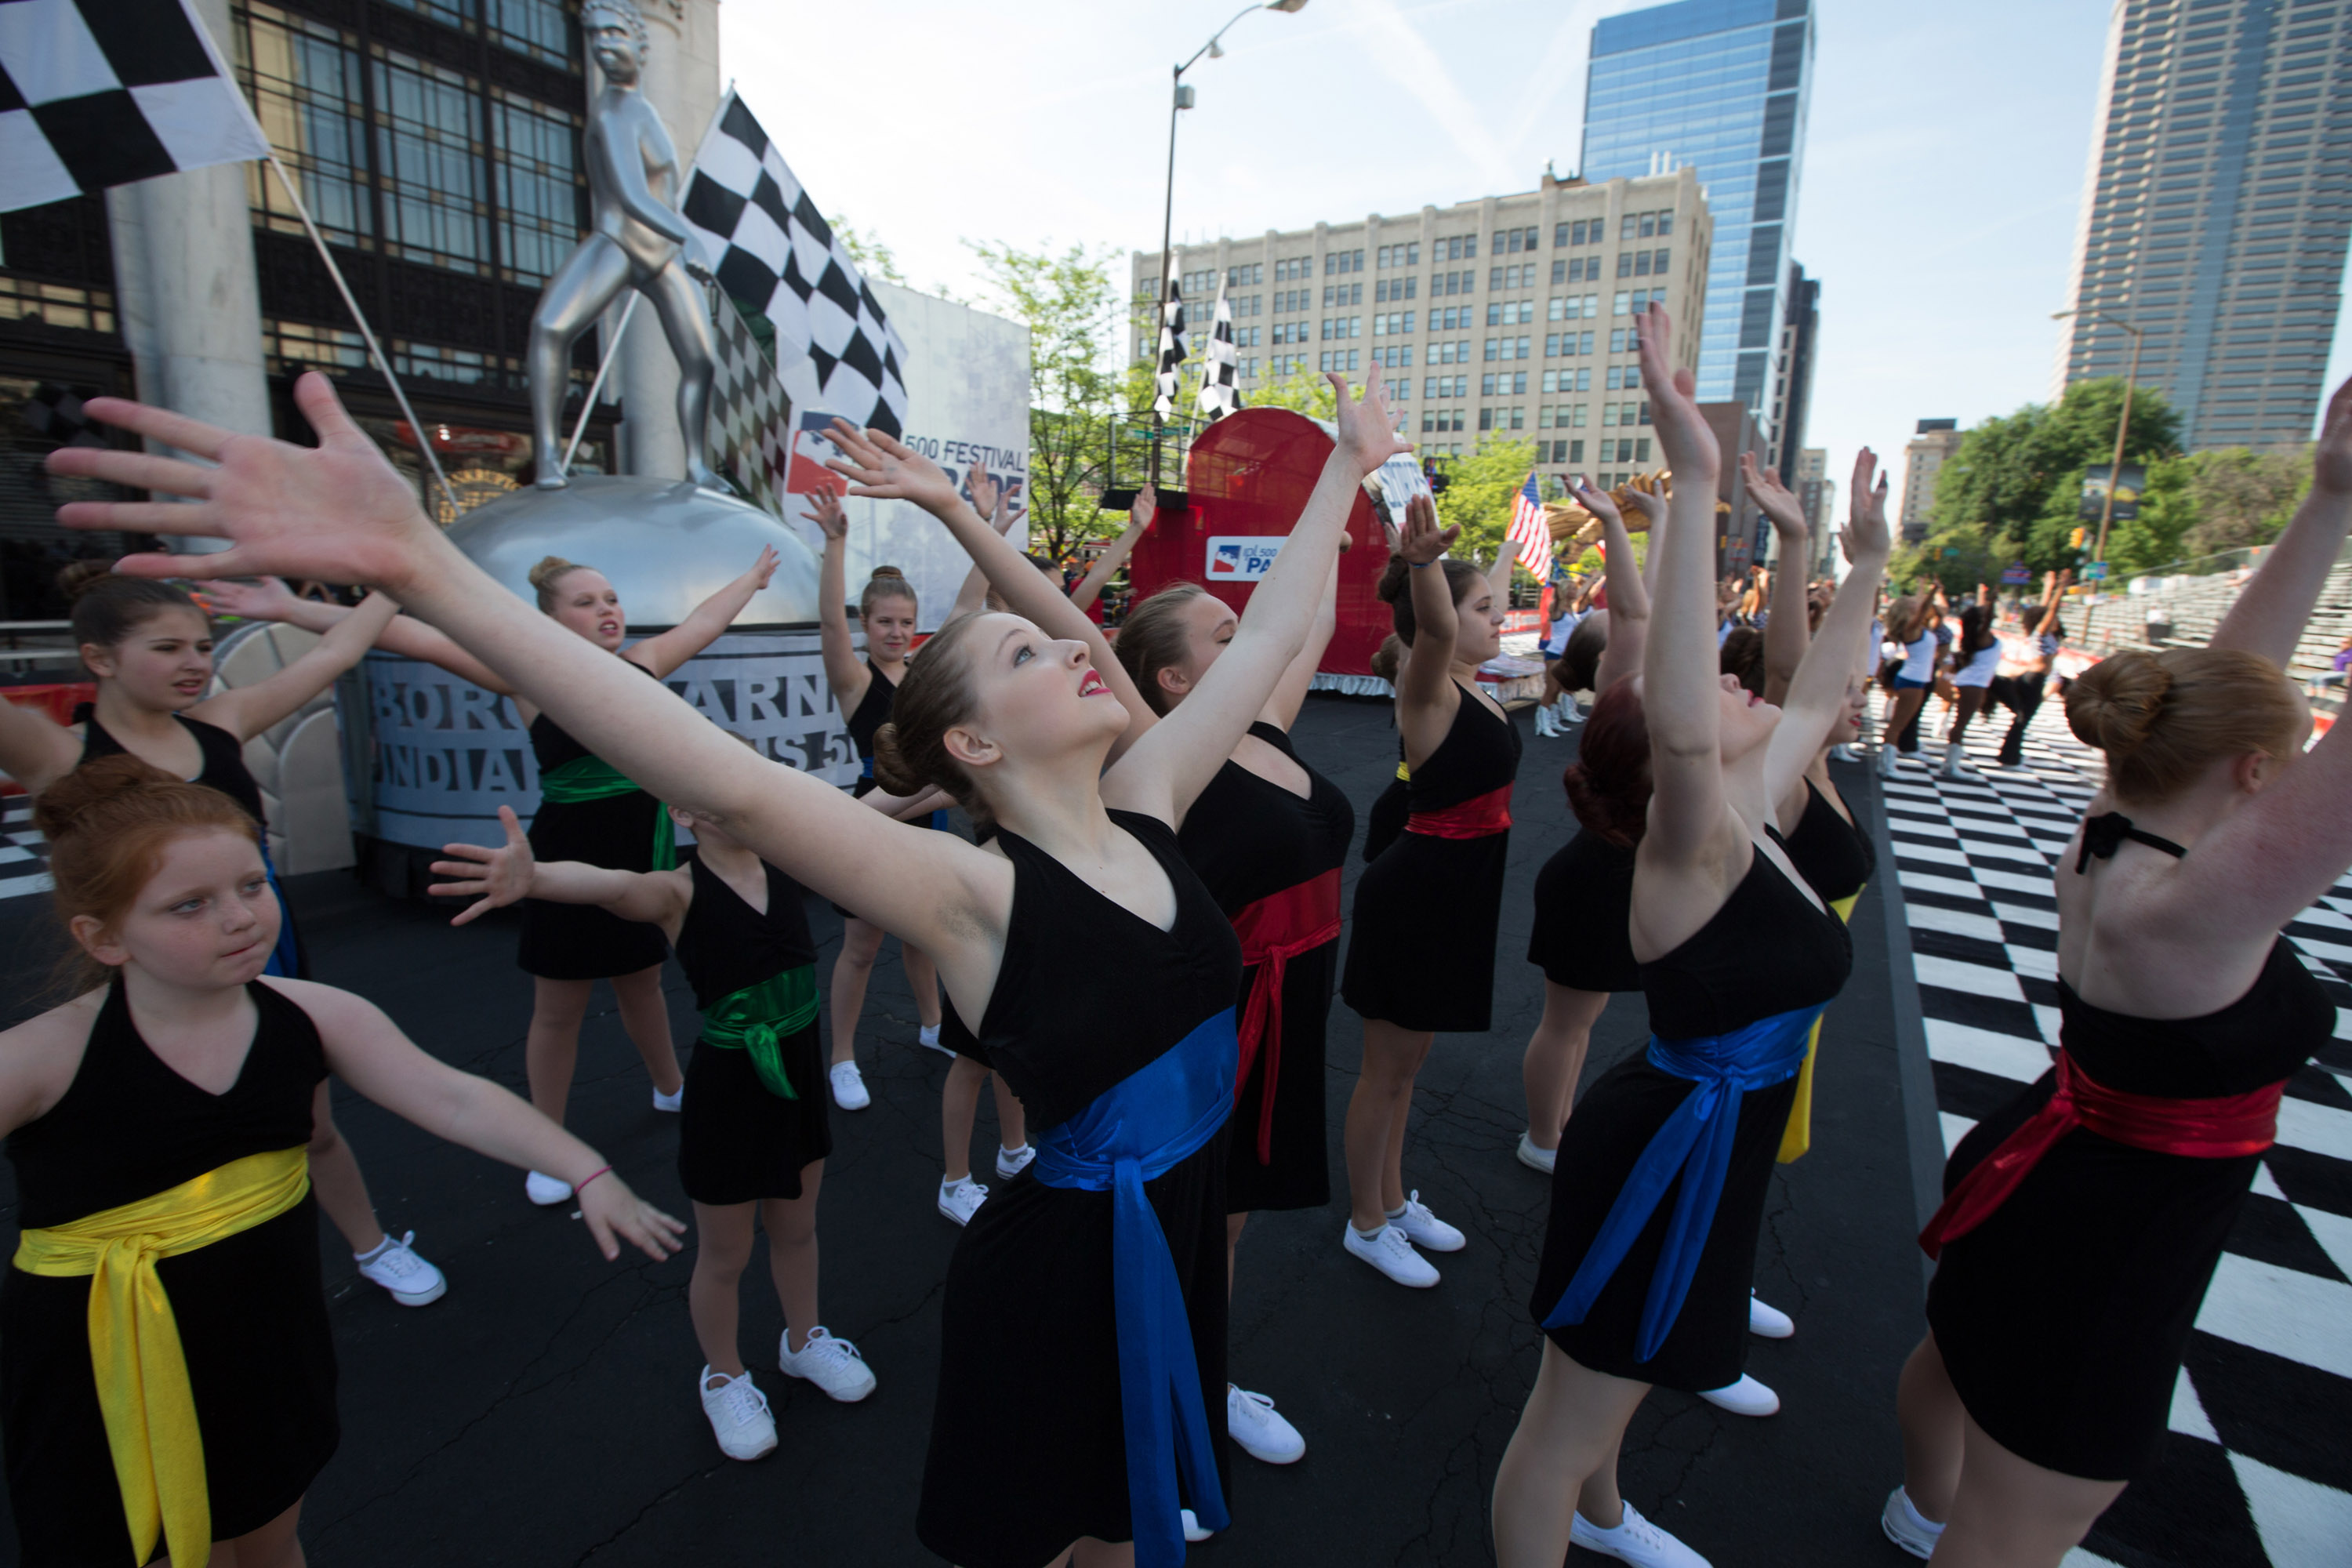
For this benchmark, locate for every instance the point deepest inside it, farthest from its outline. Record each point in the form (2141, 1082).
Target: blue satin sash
(1141, 1128)
(1694, 1143)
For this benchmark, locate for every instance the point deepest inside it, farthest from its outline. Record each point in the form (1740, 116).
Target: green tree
(870, 254)
(2244, 498)
(2015, 482)
(1072, 312)
(1478, 492)
(1303, 390)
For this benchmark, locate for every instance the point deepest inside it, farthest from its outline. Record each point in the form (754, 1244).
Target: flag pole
(375, 349)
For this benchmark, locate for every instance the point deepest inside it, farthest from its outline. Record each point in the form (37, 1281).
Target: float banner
(2127, 492)
(444, 754)
(1240, 557)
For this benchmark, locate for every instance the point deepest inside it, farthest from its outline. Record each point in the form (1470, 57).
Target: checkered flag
(101, 92)
(751, 418)
(1172, 350)
(1219, 394)
(779, 261)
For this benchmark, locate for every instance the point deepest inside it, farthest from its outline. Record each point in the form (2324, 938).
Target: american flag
(1530, 531)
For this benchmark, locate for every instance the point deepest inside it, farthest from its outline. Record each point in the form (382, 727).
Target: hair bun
(1388, 657)
(544, 575)
(1392, 579)
(882, 573)
(90, 787)
(79, 577)
(892, 770)
(2114, 704)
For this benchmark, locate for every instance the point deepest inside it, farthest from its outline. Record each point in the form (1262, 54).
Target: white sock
(1397, 1213)
(1363, 1234)
(1911, 1512)
(1012, 1151)
(372, 1253)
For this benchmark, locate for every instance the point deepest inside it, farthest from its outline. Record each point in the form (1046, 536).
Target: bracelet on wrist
(582, 1184)
(1417, 566)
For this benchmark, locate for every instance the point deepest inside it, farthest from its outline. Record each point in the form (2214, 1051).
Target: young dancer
(1125, 1060)
(1738, 957)
(887, 609)
(164, 1341)
(753, 1138)
(1975, 659)
(2083, 1222)
(1267, 836)
(148, 646)
(1913, 622)
(1426, 910)
(2020, 689)
(588, 811)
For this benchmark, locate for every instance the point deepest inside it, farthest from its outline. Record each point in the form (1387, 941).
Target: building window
(307, 92)
(428, 149)
(530, 27)
(1511, 241)
(1245, 277)
(1400, 255)
(538, 187)
(1291, 270)
(1342, 261)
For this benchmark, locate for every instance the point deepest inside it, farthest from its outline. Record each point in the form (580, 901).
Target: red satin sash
(1481, 816)
(2200, 1129)
(1274, 931)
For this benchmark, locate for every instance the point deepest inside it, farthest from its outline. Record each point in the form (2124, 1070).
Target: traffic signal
(2075, 540)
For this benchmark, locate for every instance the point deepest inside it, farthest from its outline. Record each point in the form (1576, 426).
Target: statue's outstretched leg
(685, 317)
(590, 278)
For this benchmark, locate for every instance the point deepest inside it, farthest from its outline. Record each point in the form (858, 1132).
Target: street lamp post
(1179, 99)
(2123, 425)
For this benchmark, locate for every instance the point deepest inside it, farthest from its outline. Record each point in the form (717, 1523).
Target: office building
(1720, 86)
(2214, 214)
(1509, 314)
(1926, 453)
(1817, 494)
(1792, 376)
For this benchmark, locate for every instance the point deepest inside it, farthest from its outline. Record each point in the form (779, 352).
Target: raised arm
(35, 749)
(844, 672)
(246, 711)
(2270, 613)
(665, 651)
(339, 513)
(1629, 626)
(989, 500)
(1424, 683)
(267, 599)
(1139, 518)
(1281, 710)
(1817, 695)
(1172, 763)
(510, 873)
(1786, 628)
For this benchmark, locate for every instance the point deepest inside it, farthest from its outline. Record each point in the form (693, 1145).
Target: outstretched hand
(1866, 530)
(1775, 500)
(1599, 502)
(1367, 430)
(337, 512)
(263, 599)
(830, 520)
(985, 492)
(614, 1214)
(1686, 441)
(1649, 503)
(1146, 507)
(1421, 540)
(764, 568)
(882, 468)
(493, 878)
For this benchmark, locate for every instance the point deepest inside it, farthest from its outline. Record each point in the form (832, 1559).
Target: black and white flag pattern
(96, 93)
(750, 420)
(781, 263)
(1220, 369)
(1172, 349)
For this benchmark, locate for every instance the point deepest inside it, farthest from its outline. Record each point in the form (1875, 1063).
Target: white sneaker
(1388, 1250)
(1908, 1527)
(1746, 1397)
(1193, 1531)
(1251, 1422)
(1424, 1228)
(1011, 1163)
(738, 1415)
(961, 1200)
(1636, 1540)
(411, 1281)
(1768, 1322)
(545, 1190)
(849, 1087)
(671, 1100)
(929, 1036)
(835, 1365)
(1536, 1159)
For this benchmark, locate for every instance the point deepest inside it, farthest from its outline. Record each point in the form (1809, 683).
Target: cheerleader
(2018, 686)
(1427, 909)
(149, 646)
(862, 689)
(2083, 1222)
(753, 1138)
(1976, 660)
(1916, 623)
(1738, 956)
(1107, 1004)
(168, 1373)
(1267, 836)
(588, 811)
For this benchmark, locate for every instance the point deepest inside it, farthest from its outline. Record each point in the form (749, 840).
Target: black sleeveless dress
(1835, 855)
(1249, 839)
(1583, 937)
(2064, 1317)
(737, 1142)
(1026, 1451)
(1766, 952)
(872, 712)
(251, 1309)
(224, 770)
(1427, 910)
(581, 942)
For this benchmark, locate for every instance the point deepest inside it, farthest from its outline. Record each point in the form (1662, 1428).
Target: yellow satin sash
(134, 1342)
(1798, 1136)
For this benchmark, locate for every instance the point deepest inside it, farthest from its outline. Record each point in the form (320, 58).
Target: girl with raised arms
(1108, 1006)
(588, 811)
(163, 1339)
(148, 646)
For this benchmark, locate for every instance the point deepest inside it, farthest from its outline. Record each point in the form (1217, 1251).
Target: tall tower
(2214, 215)
(1721, 84)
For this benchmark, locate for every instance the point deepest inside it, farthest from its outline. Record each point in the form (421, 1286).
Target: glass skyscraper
(1721, 84)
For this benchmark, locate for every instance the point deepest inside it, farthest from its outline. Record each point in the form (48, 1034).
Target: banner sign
(2016, 574)
(2128, 493)
(444, 754)
(1240, 557)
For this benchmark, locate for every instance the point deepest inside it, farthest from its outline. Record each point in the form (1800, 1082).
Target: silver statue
(635, 239)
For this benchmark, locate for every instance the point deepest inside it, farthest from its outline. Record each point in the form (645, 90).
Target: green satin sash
(593, 778)
(759, 1018)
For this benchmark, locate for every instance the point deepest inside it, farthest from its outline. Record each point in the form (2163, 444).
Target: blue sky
(1944, 161)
